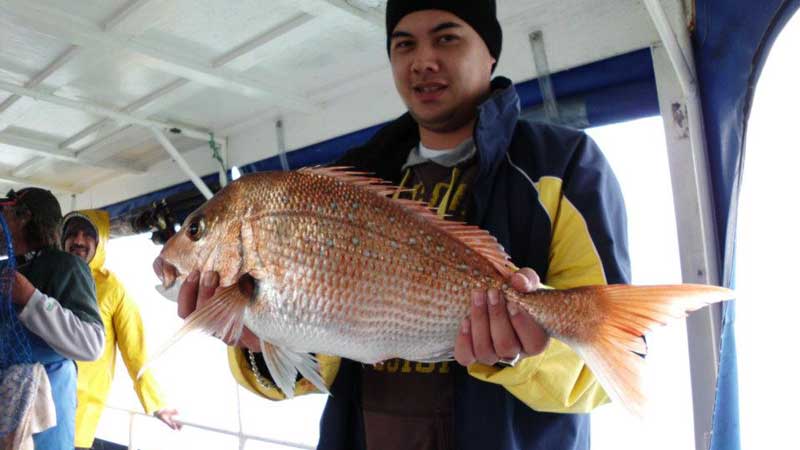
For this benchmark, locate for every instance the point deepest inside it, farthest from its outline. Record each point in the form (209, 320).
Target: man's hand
(22, 291)
(197, 290)
(169, 417)
(498, 330)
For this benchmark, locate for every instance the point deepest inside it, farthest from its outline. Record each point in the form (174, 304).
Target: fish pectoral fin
(284, 364)
(222, 315)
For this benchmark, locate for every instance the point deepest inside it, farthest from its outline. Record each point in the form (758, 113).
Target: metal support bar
(198, 182)
(102, 111)
(281, 136)
(543, 77)
(699, 249)
(679, 58)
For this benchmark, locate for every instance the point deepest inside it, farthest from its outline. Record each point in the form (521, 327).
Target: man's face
(80, 242)
(442, 69)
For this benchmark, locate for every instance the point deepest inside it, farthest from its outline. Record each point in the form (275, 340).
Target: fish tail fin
(615, 351)
(223, 315)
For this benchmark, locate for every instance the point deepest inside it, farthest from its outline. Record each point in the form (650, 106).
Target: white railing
(241, 436)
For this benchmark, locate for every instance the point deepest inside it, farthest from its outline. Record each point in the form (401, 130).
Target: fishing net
(14, 345)
(17, 373)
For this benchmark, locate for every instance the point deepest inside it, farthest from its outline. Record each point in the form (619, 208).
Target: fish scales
(383, 275)
(340, 268)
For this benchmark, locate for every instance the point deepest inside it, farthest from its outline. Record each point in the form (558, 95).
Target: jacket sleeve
(242, 371)
(588, 247)
(62, 329)
(129, 331)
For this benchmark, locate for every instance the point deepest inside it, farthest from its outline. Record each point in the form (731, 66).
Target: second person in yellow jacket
(85, 234)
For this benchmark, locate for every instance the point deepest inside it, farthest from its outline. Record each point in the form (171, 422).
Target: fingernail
(526, 283)
(478, 298)
(494, 297)
(210, 279)
(513, 309)
(193, 277)
(465, 326)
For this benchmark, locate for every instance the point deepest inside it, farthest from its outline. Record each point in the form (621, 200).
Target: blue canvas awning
(731, 44)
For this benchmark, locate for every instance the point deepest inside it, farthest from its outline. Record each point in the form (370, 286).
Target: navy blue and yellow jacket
(550, 198)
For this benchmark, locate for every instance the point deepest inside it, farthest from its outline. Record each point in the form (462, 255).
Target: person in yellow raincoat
(85, 234)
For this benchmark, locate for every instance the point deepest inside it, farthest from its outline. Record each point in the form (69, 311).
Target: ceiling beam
(7, 118)
(102, 127)
(50, 150)
(103, 111)
(124, 14)
(262, 39)
(7, 178)
(88, 34)
(240, 57)
(373, 16)
(28, 166)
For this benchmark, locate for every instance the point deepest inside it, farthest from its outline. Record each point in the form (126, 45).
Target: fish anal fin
(284, 365)
(619, 371)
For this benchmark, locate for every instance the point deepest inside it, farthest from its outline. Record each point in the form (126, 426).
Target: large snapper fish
(342, 267)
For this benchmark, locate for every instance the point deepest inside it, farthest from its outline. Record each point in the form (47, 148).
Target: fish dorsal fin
(475, 238)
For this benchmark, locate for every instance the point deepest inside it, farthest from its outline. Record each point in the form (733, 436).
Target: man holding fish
(331, 262)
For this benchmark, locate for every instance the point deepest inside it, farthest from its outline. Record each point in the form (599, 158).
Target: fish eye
(196, 229)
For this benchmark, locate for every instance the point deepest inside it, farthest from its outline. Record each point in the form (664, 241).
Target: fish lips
(165, 272)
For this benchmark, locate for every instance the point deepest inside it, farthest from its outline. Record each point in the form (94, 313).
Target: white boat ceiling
(80, 81)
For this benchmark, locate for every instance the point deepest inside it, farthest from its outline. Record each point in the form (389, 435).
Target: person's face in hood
(80, 239)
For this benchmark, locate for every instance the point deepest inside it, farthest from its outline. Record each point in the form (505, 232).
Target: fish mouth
(166, 272)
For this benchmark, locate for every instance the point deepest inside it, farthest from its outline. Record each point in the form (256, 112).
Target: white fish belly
(364, 329)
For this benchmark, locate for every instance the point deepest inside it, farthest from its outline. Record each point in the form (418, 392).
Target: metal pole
(198, 182)
(680, 61)
(281, 135)
(694, 208)
(543, 77)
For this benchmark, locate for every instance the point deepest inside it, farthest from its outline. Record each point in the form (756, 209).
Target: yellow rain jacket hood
(124, 330)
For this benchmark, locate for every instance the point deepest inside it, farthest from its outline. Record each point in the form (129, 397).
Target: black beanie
(481, 15)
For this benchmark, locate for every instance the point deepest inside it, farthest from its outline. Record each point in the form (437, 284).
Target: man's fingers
(187, 296)
(247, 340)
(506, 344)
(463, 352)
(209, 282)
(481, 332)
(250, 341)
(532, 336)
(525, 280)
(168, 416)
